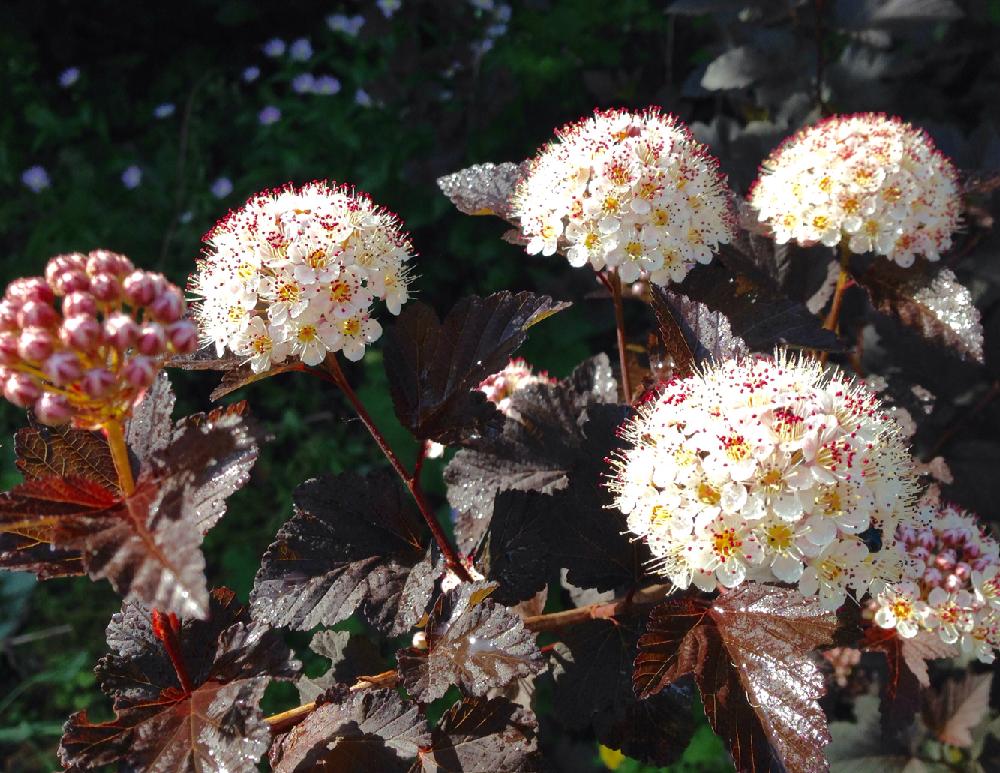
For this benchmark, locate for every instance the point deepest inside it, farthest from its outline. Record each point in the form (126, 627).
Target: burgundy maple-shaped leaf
(749, 652)
(353, 732)
(472, 642)
(906, 671)
(592, 671)
(354, 543)
(692, 333)
(185, 694)
(933, 303)
(541, 445)
(434, 367)
(478, 735)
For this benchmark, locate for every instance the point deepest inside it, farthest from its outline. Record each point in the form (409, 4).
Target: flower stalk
(410, 480)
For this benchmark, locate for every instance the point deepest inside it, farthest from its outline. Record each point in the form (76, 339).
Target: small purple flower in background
(301, 50)
(274, 48)
(389, 7)
(269, 115)
(362, 98)
(36, 178)
(250, 74)
(222, 187)
(349, 25)
(132, 177)
(164, 111)
(69, 76)
(303, 83)
(326, 85)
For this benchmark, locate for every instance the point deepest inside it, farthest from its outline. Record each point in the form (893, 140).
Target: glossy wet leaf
(435, 366)
(369, 730)
(478, 735)
(159, 727)
(472, 642)
(749, 652)
(355, 543)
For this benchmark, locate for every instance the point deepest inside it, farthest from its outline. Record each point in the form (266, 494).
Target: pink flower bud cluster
(84, 342)
(501, 386)
(954, 587)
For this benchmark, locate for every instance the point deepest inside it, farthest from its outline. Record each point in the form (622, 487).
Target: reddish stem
(412, 483)
(167, 628)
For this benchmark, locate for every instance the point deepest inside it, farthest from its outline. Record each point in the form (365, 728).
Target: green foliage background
(439, 104)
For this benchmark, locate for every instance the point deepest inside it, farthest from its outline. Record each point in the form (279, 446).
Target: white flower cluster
(767, 469)
(874, 181)
(954, 587)
(295, 272)
(631, 191)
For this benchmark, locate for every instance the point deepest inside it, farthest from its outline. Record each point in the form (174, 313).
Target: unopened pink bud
(98, 382)
(139, 372)
(37, 314)
(9, 310)
(168, 306)
(152, 340)
(35, 344)
(63, 368)
(8, 348)
(73, 261)
(81, 332)
(79, 303)
(183, 336)
(21, 389)
(71, 281)
(140, 289)
(53, 410)
(105, 287)
(121, 331)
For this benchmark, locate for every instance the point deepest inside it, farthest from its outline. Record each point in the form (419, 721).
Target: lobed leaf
(434, 367)
(478, 735)
(372, 730)
(936, 305)
(471, 642)
(748, 651)
(354, 543)
(160, 727)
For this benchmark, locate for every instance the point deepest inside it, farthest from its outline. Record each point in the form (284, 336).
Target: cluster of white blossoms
(767, 469)
(295, 273)
(954, 587)
(870, 180)
(631, 191)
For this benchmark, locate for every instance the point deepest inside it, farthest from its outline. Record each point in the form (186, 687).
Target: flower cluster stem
(410, 480)
(115, 434)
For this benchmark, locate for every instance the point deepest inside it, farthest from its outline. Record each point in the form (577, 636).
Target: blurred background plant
(136, 126)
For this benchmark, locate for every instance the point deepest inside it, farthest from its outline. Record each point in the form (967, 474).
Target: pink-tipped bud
(98, 382)
(63, 368)
(121, 331)
(35, 344)
(183, 336)
(140, 289)
(168, 306)
(105, 287)
(933, 577)
(71, 281)
(53, 410)
(73, 261)
(8, 348)
(82, 332)
(152, 340)
(139, 372)
(9, 310)
(79, 303)
(37, 314)
(21, 389)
